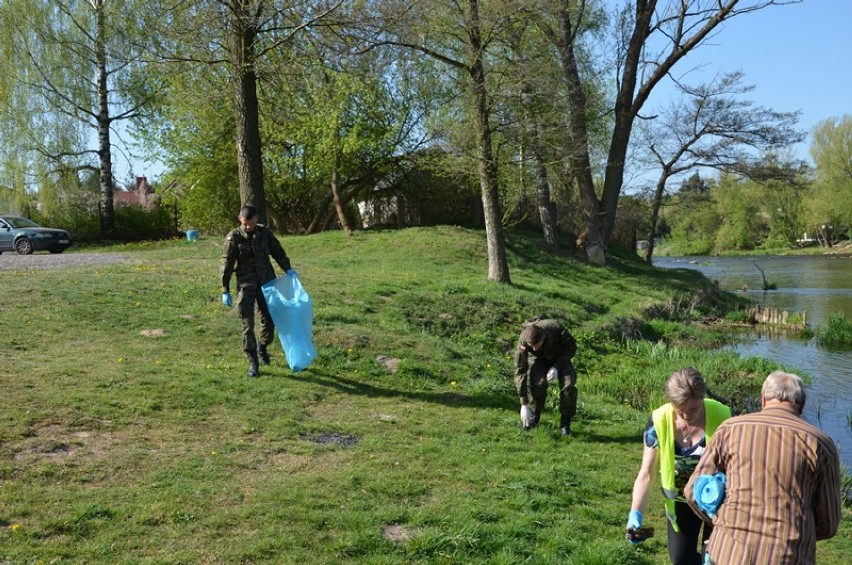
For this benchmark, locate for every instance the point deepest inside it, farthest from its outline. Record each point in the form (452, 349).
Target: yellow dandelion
(121, 359)
(209, 366)
(213, 453)
(453, 383)
(15, 527)
(157, 362)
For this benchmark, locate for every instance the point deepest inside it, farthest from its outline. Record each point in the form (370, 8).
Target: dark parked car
(25, 236)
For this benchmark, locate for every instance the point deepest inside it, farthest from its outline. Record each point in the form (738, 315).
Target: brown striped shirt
(782, 492)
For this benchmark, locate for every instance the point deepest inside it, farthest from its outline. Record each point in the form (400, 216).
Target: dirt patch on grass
(153, 333)
(389, 363)
(333, 438)
(396, 533)
(50, 441)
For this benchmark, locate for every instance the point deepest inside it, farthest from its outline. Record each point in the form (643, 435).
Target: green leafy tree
(738, 207)
(692, 218)
(241, 36)
(459, 35)
(340, 129)
(828, 206)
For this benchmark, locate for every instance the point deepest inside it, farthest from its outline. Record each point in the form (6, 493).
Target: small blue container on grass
(191, 235)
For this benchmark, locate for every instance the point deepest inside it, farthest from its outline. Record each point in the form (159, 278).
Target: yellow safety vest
(664, 423)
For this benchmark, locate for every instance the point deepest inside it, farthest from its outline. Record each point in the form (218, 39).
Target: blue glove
(634, 520)
(709, 492)
(227, 300)
(291, 273)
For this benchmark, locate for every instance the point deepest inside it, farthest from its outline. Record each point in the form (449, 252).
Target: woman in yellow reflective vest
(675, 438)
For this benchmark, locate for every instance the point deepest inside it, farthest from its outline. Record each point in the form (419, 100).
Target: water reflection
(820, 286)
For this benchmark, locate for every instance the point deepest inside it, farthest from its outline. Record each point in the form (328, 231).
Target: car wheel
(24, 247)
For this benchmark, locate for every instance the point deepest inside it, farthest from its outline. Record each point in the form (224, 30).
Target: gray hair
(785, 387)
(684, 385)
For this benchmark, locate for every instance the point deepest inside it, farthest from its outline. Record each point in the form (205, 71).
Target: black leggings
(683, 545)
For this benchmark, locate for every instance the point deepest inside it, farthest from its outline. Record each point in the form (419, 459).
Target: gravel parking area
(10, 261)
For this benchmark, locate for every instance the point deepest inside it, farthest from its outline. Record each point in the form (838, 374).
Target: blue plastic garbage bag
(709, 492)
(292, 312)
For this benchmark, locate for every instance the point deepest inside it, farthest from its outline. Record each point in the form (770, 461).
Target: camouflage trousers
(249, 298)
(537, 385)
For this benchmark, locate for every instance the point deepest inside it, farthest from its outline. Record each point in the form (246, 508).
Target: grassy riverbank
(130, 433)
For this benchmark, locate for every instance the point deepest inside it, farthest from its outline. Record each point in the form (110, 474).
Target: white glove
(552, 374)
(526, 415)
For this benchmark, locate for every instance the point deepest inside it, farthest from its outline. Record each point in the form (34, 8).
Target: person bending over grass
(543, 355)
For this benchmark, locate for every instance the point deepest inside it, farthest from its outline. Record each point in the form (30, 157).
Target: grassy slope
(117, 447)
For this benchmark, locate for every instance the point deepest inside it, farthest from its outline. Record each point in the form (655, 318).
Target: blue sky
(797, 57)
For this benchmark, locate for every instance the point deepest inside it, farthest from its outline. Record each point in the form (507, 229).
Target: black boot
(565, 426)
(253, 371)
(263, 355)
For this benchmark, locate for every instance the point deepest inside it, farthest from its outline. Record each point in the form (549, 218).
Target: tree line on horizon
(478, 112)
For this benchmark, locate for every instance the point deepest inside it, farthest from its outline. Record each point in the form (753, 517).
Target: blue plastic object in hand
(292, 273)
(227, 300)
(709, 492)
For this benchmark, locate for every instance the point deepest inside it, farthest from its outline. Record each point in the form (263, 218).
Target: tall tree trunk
(249, 150)
(655, 214)
(498, 266)
(107, 210)
(546, 208)
(319, 217)
(578, 152)
(335, 182)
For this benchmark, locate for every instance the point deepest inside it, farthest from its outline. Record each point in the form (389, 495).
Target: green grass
(836, 332)
(119, 447)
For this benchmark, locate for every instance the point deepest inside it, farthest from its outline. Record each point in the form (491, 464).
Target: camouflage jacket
(558, 349)
(248, 255)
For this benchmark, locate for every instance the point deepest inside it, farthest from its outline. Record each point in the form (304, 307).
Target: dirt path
(42, 261)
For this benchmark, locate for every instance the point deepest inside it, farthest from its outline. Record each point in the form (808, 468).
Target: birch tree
(68, 64)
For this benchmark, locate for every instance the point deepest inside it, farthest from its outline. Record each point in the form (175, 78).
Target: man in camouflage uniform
(544, 353)
(247, 251)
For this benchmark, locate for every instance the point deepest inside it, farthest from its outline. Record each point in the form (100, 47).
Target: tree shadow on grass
(446, 398)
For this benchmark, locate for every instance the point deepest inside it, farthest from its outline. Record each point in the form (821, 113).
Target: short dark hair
(532, 334)
(248, 212)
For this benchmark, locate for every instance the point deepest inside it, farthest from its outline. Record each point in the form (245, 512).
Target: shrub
(135, 223)
(836, 332)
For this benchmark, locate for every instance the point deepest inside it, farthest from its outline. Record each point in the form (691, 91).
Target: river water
(821, 286)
